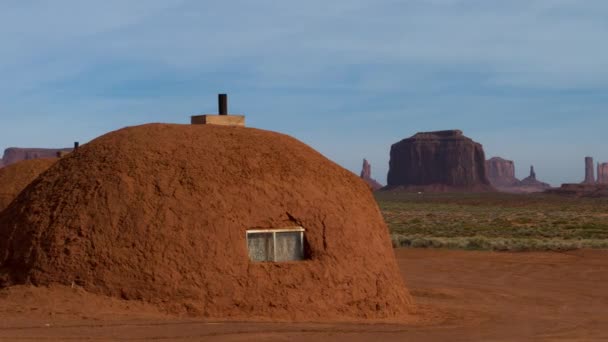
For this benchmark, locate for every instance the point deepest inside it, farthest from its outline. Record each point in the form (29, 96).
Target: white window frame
(274, 232)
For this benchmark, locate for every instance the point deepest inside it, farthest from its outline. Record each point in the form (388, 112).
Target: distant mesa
(440, 161)
(15, 154)
(501, 173)
(366, 175)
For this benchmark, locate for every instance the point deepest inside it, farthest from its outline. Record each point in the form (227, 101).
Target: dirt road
(462, 296)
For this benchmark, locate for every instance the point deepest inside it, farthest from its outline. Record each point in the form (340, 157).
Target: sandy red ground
(461, 295)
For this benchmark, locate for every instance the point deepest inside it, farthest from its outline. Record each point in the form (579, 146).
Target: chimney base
(220, 120)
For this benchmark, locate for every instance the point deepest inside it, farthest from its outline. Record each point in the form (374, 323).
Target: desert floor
(461, 296)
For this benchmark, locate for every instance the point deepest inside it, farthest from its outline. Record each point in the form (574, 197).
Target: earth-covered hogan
(168, 214)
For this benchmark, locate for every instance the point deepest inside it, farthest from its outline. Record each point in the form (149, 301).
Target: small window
(285, 244)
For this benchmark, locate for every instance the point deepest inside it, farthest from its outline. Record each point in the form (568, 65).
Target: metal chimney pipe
(222, 100)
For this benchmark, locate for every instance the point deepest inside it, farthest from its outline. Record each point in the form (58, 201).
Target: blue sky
(527, 79)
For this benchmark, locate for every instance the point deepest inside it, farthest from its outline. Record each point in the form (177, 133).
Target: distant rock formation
(533, 183)
(501, 172)
(14, 154)
(440, 161)
(532, 175)
(590, 187)
(589, 171)
(602, 173)
(366, 175)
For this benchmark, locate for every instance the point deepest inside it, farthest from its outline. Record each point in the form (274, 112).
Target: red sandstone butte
(438, 161)
(589, 171)
(501, 172)
(602, 173)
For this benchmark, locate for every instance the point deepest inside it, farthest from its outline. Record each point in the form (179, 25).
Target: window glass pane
(260, 246)
(289, 246)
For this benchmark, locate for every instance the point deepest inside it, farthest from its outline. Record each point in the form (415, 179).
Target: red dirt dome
(225, 222)
(15, 177)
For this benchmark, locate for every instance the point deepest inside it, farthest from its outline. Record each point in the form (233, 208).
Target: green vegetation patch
(495, 221)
